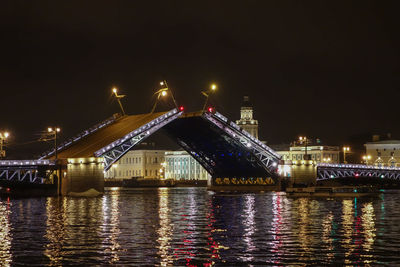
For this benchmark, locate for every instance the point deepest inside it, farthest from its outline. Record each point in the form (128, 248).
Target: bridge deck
(86, 147)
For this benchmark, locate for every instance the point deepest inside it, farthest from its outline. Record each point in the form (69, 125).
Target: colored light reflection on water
(196, 227)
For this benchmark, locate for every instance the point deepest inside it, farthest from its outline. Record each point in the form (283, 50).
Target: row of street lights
(162, 92)
(51, 130)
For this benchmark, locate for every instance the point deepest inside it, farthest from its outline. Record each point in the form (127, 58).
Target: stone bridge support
(305, 174)
(83, 177)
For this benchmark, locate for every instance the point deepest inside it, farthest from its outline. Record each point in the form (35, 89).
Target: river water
(196, 227)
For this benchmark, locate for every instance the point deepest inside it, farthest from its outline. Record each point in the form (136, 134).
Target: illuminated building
(180, 165)
(246, 118)
(138, 163)
(316, 154)
(384, 152)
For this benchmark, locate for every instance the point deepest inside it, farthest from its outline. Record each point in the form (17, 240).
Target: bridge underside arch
(214, 149)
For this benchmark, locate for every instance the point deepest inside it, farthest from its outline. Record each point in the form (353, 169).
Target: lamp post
(3, 137)
(345, 149)
(54, 131)
(366, 158)
(207, 93)
(115, 91)
(163, 92)
(301, 139)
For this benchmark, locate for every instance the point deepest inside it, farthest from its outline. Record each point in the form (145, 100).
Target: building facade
(246, 118)
(316, 154)
(180, 165)
(383, 153)
(138, 163)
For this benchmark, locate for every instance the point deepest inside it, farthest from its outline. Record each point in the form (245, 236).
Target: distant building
(138, 163)
(180, 165)
(383, 153)
(316, 154)
(246, 118)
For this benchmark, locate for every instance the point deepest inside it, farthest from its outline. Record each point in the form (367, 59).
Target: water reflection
(358, 223)
(111, 225)
(327, 232)
(305, 239)
(249, 227)
(55, 230)
(165, 230)
(276, 227)
(368, 219)
(5, 233)
(193, 227)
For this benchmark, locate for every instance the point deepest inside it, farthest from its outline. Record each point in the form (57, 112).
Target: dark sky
(325, 69)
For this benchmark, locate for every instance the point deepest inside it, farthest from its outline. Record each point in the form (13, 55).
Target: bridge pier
(83, 177)
(304, 174)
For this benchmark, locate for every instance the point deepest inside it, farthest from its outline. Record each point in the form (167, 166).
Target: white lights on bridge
(330, 171)
(26, 162)
(118, 148)
(266, 155)
(136, 132)
(79, 136)
(356, 166)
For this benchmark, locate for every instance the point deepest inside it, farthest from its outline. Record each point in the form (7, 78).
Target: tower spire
(246, 118)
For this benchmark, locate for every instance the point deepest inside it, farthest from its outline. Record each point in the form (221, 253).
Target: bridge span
(357, 174)
(230, 154)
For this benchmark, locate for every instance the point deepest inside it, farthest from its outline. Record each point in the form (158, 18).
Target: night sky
(325, 70)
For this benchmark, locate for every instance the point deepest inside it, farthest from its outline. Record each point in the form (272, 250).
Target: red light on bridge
(210, 109)
(181, 108)
(356, 175)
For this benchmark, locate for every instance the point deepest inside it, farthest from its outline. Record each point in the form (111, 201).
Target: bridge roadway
(85, 144)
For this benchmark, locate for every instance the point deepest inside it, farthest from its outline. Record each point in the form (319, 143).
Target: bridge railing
(79, 136)
(28, 162)
(24, 170)
(357, 166)
(265, 154)
(120, 147)
(331, 171)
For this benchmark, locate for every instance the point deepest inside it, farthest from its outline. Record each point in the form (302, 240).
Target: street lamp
(213, 88)
(366, 158)
(163, 92)
(54, 131)
(115, 91)
(3, 137)
(305, 140)
(345, 149)
(327, 160)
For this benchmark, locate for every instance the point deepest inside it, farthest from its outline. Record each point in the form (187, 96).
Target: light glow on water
(194, 227)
